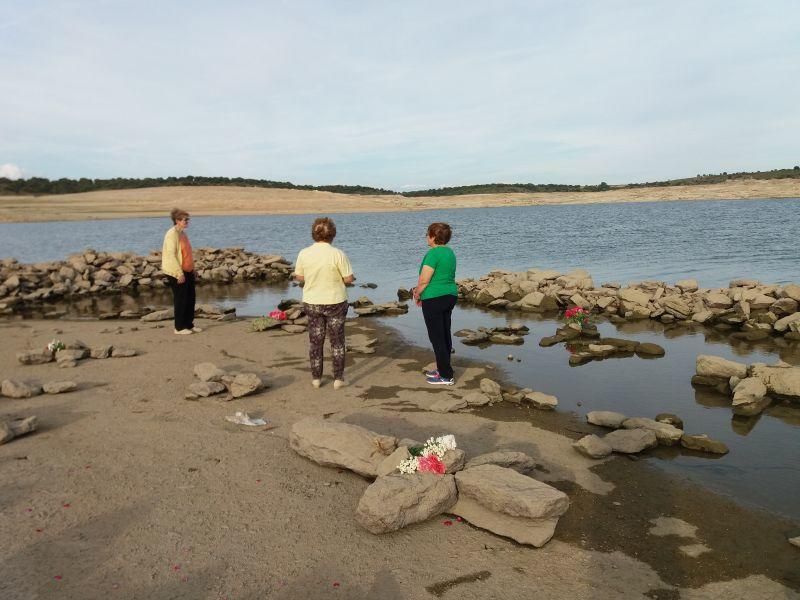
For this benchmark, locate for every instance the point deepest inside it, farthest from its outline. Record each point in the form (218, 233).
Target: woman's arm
(349, 279)
(424, 279)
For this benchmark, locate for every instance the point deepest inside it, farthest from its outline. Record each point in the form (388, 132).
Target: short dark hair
(440, 232)
(177, 214)
(323, 230)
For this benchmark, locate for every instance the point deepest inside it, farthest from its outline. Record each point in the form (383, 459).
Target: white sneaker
(197, 329)
(183, 332)
(338, 383)
(316, 382)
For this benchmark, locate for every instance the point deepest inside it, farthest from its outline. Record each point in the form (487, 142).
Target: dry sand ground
(129, 491)
(156, 202)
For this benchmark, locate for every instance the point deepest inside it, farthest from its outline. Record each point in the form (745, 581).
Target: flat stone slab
(593, 446)
(714, 366)
(334, 444)
(36, 357)
(542, 401)
(663, 526)
(395, 501)
(59, 387)
(666, 434)
(631, 441)
(703, 443)
(208, 372)
(519, 461)
(606, 418)
(205, 389)
(14, 388)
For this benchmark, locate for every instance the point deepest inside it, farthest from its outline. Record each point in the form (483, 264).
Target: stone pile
(94, 273)
(490, 491)
(73, 353)
(510, 334)
(364, 307)
(757, 310)
(752, 388)
(585, 345)
(211, 380)
(296, 320)
(632, 435)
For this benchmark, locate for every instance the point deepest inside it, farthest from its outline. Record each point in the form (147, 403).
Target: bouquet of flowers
(577, 315)
(428, 457)
(55, 346)
(278, 315)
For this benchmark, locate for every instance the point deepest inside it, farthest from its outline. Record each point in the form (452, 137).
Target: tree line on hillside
(36, 186)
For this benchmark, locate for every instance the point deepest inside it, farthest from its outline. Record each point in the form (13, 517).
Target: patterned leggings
(320, 318)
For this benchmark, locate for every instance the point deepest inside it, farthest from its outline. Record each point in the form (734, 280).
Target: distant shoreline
(243, 201)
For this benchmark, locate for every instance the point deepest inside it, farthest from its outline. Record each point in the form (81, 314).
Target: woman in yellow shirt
(324, 271)
(177, 263)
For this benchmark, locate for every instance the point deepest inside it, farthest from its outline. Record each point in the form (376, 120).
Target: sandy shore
(130, 491)
(156, 202)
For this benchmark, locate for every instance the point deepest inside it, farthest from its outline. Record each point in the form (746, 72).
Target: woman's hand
(181, 279)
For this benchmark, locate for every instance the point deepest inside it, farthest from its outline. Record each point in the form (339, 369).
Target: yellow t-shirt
(323, 267)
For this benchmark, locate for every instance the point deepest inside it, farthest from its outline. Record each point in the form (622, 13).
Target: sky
(399, 95)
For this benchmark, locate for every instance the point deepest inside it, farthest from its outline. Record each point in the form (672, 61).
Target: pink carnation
(431, 464)
(278, 315)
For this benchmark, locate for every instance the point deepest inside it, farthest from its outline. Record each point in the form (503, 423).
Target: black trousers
(183, 300)
(438, 312)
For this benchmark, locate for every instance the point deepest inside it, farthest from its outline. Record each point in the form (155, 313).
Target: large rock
(13, 388)
(631, 441)
(538, 302)
(395, 501)
(123, 352)
(159, 315)
(715, 366)
(206, 388)
(634, 296)
(101, 352)
(494, 291)
(491, 389)
(509, 504)
(687, 285)
(792, 291)
(68, 355)
(666, 434)
(477, 399)
(781, 381)
(785, 323)
(593, 446)
(35, 357)
(606, 418)
(208, 372)
(519, 461)
(717, 300)
(245, 384)
(448, 404)
(341, 445)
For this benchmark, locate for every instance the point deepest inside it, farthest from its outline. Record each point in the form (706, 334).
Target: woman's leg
(177, 299)
(337, 315)
(316, 338)
(190, 300)
(448, 314)
(434, 310)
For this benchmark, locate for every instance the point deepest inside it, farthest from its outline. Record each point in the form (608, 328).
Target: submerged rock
(703, 443)
(631, 441)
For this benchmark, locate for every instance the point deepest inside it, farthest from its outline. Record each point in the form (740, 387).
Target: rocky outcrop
(509, 504)
(398, 500)
(95, 273)
(341, 445)
(756, 309)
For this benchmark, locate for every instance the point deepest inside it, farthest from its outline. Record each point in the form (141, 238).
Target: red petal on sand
(447, 522)
(57, 577)
(67, 505)
(39, 530)
(335, 584)
(459, 519)
(28, 510)
(88, 467)
(176, 567)
(258, 481)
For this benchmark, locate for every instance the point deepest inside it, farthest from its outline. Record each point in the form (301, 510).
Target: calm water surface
(712, 241)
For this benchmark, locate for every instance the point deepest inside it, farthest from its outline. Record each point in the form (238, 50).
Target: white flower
(448, 441)
(408, 465)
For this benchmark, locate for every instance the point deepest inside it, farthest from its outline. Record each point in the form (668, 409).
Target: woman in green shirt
(437, 292)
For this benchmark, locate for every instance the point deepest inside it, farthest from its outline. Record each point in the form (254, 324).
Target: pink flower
(431, 464)
(278, 315)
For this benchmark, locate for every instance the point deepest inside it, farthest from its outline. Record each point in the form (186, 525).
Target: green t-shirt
(442, 260)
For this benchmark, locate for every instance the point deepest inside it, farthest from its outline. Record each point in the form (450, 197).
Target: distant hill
(36, 186)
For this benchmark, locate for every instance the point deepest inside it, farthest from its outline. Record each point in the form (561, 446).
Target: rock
(494, 291)
(292, 328)
(785, 323)
(403, 294)
(59, 387)
(35, 357)
(398, 500)
(795, 541)
(245, 384)
(592, 446)
(542, 401)
(13, 388)
(687, 285)
(606, 418)
(649, 349)
(122, 352)
(703, 443)
(341, 445)
(390, 463)
(454, 460)
(101, 352)
(446, 405)
(715, 366)
(509, 504)
(670, 419)
(538, 302)
(205, 389)
(208, 372)
(792, 291)
(491, 388)
(519, 461)
(717, 300)
(601, 349)
(750, 397)
(16, 427)
(666, 434)
(477, 399)
(506, 338)
(66, 355)
(6, 435)
(631, 441)
(780, 381)
(634, 295)
(159, 315)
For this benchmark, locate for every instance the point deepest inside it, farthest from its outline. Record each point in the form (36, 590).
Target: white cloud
(10, 171)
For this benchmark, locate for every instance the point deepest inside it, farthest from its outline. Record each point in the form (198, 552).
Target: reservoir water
(712, 241)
